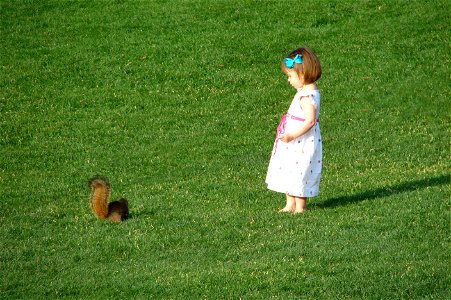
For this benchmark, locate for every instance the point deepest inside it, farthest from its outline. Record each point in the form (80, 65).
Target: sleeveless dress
(295, 167)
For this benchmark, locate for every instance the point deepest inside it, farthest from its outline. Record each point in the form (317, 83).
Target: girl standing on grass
(295, 165)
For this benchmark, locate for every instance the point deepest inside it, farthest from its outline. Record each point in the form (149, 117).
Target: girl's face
(294, 79)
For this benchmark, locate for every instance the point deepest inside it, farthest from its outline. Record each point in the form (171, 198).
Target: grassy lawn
(176, 103)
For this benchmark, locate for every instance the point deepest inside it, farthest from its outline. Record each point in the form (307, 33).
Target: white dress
(295, 167)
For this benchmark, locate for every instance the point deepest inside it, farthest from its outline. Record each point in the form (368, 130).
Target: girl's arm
(309, 114)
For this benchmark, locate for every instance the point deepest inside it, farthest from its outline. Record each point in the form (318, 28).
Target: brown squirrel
(115, 211)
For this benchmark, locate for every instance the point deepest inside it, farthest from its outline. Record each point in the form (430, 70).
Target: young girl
(295, 165)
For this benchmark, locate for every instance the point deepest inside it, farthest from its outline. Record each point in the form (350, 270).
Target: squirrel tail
(115, 211)
(100, 193)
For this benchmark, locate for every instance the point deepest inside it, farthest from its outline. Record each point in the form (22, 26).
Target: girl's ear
(301, 78)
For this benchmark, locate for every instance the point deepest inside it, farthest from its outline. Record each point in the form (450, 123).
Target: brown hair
(310, 67)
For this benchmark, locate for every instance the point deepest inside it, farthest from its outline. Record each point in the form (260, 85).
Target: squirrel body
(115, 211)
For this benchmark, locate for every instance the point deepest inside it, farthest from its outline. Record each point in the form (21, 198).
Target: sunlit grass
(176, 102)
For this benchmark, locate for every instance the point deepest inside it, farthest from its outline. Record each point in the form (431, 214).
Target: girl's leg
(291, 204)
(301, 204)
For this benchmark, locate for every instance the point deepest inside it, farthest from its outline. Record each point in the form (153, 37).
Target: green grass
(176, 102)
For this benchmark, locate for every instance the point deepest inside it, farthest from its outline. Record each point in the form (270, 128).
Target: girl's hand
(286, 138)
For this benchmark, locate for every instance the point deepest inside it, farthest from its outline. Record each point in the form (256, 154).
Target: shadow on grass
(386, 191)
(146, 213)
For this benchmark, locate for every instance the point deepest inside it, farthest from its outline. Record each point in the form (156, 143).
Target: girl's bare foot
(290, 206)
(286, 210)
(301, 205)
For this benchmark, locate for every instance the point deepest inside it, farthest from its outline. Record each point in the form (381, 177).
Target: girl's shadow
(386, 191)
